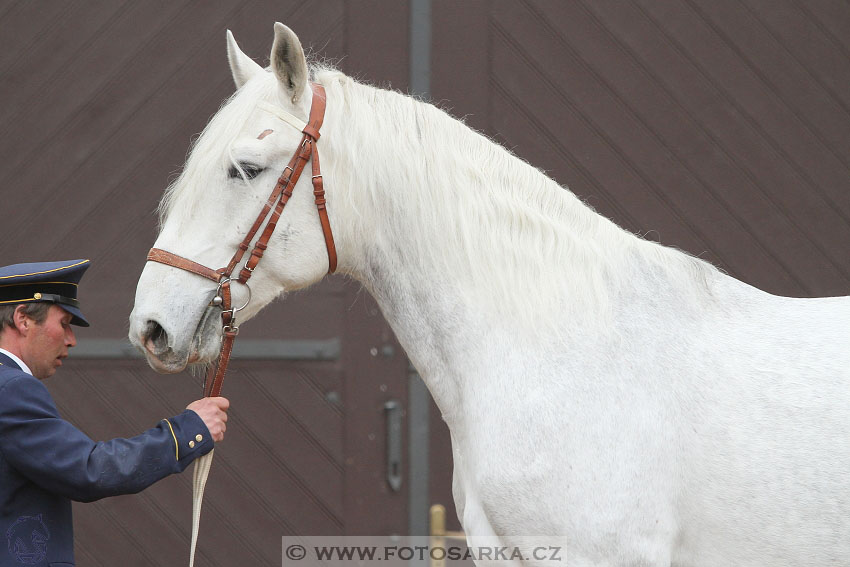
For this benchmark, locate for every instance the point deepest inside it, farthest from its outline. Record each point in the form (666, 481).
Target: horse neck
(469, 250)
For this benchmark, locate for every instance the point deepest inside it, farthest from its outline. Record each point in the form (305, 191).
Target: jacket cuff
(190, 436)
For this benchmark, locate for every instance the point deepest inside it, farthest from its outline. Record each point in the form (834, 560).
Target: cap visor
(79, 319)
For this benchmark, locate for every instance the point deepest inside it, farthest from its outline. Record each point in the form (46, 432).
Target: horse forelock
(210, 153)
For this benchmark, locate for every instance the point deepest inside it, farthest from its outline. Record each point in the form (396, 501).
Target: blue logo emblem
(27, 539)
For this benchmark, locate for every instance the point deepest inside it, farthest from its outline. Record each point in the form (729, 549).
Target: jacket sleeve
(60, 458)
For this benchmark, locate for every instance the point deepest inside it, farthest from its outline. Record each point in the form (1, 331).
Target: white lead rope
(199, 481)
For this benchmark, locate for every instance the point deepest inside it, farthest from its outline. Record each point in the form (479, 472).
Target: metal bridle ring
(234, 310)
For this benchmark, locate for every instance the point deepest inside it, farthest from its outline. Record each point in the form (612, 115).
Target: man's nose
(70, 339)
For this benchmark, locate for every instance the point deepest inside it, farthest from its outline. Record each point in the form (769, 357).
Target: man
(45, 462)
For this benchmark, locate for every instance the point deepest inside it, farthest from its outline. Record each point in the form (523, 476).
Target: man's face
(46, 344)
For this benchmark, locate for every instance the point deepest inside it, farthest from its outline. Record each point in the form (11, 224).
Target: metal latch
(392, 414)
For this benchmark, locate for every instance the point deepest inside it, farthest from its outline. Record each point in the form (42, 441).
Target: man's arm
(62, 459)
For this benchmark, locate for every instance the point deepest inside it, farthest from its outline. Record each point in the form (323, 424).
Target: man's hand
(212, 412)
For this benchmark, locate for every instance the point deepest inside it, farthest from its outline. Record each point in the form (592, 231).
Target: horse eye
(251, 171)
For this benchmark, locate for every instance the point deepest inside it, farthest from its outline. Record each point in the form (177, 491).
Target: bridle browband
(272, 210)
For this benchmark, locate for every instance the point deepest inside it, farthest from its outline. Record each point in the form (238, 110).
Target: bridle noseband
(272, 210)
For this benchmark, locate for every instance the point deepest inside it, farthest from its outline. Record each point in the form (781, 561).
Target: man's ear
(22, 320)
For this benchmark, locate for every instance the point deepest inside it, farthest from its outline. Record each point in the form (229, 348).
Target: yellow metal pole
(437, 531)
(438, 520)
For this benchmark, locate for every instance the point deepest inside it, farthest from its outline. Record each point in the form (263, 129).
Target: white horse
(626, 396)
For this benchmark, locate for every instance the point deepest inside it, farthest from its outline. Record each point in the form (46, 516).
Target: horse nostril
(155, 338)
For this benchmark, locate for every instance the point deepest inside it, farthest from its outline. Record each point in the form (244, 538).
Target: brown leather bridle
(275, 204)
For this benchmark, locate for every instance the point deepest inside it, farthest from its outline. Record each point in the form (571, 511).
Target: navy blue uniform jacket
(45, 462)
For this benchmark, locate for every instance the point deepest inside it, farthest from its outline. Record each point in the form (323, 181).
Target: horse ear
(241, 66)
(288, 61)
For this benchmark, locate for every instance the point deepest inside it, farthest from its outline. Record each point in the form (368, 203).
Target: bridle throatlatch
(307, 151)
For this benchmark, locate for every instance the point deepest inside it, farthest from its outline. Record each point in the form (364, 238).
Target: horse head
(206, 213)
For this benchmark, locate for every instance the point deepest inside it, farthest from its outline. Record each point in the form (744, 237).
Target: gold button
(191, 444)
(37, 296)
(199, 437)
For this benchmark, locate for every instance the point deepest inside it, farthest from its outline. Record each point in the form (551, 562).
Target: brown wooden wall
(721, 127)
(718, 127)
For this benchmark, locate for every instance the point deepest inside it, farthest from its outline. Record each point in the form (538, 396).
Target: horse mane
(520, 245)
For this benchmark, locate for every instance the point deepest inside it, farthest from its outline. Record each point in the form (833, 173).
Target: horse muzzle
(153, 341)
(166, 354)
